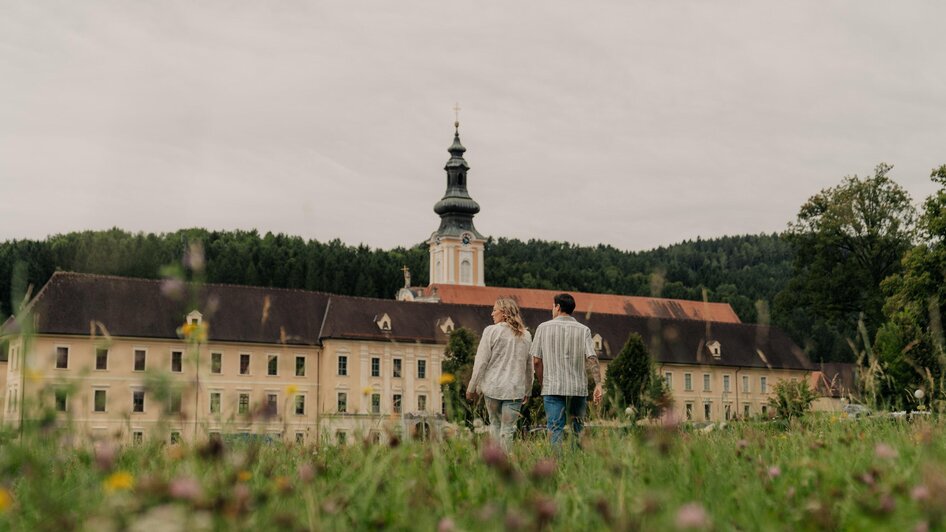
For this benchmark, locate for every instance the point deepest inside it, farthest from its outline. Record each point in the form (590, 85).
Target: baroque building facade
(137, 358)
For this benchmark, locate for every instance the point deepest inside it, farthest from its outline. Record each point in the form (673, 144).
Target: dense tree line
(739, 270)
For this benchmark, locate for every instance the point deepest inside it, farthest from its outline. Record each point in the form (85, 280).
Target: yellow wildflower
(6, 500)
(188, 329)
(447, 378)
(282, 484)
(244, 476)
(119, 480)
(291, 389)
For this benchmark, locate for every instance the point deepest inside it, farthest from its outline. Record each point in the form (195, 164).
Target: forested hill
(739, 270)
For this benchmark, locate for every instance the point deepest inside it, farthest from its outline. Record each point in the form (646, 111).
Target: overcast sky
(636, 124)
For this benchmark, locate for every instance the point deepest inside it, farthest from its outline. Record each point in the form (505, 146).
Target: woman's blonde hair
(511, 316)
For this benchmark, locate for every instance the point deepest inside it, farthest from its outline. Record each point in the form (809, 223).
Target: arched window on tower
(461, 179)
(466, 272)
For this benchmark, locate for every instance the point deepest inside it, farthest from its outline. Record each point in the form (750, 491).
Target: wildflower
(885, 452)
(446, 525)
(291, 389)
(306, 472)
(742, 444)
(919, 394)
(185, 488)
(244, 475)
(920, 493)
(447, 378)
(692, 515)
(545, 509)
(282, 484)
(6, 500)
(172, 288)
(104, 455)
(119, 480)
(544, 468)
(774, 472)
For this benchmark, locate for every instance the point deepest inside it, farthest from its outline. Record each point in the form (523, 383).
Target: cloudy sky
(635, 124)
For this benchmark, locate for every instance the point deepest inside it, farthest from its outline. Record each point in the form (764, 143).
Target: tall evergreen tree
(632, 379)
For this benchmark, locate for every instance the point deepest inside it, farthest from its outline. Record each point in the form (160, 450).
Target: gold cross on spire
(456, 112)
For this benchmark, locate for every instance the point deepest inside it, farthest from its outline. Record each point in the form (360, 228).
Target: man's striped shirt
(563, 344)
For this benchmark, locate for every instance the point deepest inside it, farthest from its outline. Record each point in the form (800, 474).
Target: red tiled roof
(651, 307)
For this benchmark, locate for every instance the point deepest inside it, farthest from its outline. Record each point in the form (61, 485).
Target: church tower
(456, 248)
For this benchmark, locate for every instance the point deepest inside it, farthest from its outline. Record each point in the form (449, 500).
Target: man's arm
(592, 367)
(538, 368)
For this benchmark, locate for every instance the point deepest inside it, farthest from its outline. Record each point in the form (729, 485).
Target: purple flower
(692, 515)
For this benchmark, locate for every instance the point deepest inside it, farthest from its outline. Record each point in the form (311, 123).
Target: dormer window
(447, 326)
(195, 318)
(598, 343)
(714, 348)
(384, 322)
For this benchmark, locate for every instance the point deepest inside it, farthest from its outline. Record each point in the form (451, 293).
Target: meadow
(824, 472)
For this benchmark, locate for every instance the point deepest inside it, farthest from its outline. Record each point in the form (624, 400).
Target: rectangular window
(300, 366)
(726, 383)
(688, 382)
(689, 411)
(214, 402)
(421, 403)
(300, 405)
(745, 384)
(397, 368)
(244, 363)
(342, 402)
(375, 367)
(341, 438)
(140, 359)
(101, 359)
(177, 361)
(763, 385)
(707, 410)
(745, 411)
(243, 406)
(706, 382)
(62, 358)
(175, 437)
(137, 437)
(668, 378)
(397, 403)
(62, 399)
(300, 438)
(765, 411)
(376, 403)
(728, 409)
(216, 363)
(421, 369)
(272, 365)
(138, 401)
(100, 400)
(174, 402)
(342, 365)
(271, 402)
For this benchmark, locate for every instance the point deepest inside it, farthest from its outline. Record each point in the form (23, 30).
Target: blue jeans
(503, 417)
(556, 409)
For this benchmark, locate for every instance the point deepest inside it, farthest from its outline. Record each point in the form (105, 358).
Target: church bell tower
(456, 248)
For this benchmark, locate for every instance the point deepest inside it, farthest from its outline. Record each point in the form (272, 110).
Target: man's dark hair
(565, 302)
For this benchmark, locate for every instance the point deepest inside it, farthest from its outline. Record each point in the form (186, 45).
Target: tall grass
(822, 473)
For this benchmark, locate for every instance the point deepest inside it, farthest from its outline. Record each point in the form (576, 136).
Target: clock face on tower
(466, 238)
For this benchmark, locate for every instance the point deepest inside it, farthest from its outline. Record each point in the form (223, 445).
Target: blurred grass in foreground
(822, 473)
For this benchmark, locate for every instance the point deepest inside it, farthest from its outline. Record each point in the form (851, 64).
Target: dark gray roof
(70, 303)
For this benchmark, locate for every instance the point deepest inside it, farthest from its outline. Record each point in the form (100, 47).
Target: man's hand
(596, 396)
(525, 399)
(471, 396)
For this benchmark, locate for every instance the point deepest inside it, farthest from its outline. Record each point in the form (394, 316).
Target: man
(564, 353)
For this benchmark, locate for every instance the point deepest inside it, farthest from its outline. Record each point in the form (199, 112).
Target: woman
(502, 370)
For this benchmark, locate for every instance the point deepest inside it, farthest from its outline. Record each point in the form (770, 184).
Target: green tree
(911, 343)
(847, 239)
(632, 380)
(458, 364)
